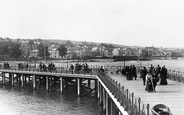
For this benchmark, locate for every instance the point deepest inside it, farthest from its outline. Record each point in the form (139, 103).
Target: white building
(54, 53)
(116, 52)
(34, 53)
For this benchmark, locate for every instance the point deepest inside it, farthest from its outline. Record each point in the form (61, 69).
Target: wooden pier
(48, 78)
(109, 102)
(112, 91)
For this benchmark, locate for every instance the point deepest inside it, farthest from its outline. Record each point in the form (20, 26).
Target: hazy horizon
(143, 23)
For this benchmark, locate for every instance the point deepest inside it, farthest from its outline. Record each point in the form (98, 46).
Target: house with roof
(116, 52)
(54, 53)
(34, 53)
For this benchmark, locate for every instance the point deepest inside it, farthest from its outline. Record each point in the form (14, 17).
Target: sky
(158, 23)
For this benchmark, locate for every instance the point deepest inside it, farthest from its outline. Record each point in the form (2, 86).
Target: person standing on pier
(102, 69)
(158, 68)
(155, 80)
(149, 82)
(163, 76)
(143, 75)
(71, 68)
(134, 72)
(157, 73)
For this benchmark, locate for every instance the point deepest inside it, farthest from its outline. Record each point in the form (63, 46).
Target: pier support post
(12, 80)
(29, 79)
(78, 86)
(101, 95)
(98, 89)
(89, 82)
(61, 84)
(25, 79)
(19, 78)
(22, 80)
(47, 83)
(34, 82)
(113, 108)
(106, 104)
(3, 78)
(39, 80)
(104, 99)
(50, 83)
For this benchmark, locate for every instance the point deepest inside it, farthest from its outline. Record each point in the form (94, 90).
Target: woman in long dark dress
(163, 76)
(149, 82)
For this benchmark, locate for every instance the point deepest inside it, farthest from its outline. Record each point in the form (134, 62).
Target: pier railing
(128, 100)
(176, 75)
(130, 103)
(171, 74)
(89, 71)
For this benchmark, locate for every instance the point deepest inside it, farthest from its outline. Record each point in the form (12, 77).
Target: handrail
(90, 71)
(171, 74)
(130, 103)
(176, 75)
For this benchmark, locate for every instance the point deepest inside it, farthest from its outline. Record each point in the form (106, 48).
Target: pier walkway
(114, 98)
(171, 95)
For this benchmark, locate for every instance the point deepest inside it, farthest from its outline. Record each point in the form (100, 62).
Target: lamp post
(44, 53)
(148, 59)
(139, 57)
(124, 59)
(67, 60)
(78, 57)
(148, 62)
(68, 57)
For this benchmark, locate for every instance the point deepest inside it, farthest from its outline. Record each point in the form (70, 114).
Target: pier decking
(84, 76)
(170, 95)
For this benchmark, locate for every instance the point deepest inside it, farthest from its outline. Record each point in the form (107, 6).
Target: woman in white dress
(149, 82)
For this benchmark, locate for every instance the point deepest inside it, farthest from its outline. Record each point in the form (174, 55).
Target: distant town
(25, 49)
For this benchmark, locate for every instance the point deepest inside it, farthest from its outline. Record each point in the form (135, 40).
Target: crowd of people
(6, 65)
(51, 67)
(130, 72)
(153, 76)
(80, 68)
(23, 65)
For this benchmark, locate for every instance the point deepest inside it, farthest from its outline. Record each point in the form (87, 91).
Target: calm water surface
(172, 64)
(18, 101)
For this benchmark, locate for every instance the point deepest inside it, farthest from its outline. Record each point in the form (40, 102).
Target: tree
(4, 48)
(15, 51)
(62, 50)
(30, 43)
(43, 51)
(69, 44)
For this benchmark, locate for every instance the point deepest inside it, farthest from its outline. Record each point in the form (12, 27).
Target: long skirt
(163, 80)
(149, 86)
(129, 76)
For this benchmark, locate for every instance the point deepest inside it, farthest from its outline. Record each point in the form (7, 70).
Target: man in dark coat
(143, 75)
(158, 68)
